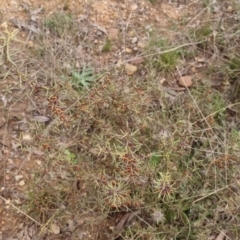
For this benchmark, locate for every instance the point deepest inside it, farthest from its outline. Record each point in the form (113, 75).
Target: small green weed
(203, 32)
(234, 64)
(154, 160)
(116, 194)
(163, 186)
(107, 45)
(164, 62)
(43, 202)
(152, 1)
(70, 156)
(206, 3)
(84, 79)
(59, 23)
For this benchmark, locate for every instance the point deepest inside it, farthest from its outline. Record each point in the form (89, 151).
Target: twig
(19, 210)
(165, 51)
(212, 193)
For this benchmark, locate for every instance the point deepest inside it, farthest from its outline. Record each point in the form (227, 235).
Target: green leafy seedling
(234, 64)
(70, 156)
(154, 160)
(84, 78)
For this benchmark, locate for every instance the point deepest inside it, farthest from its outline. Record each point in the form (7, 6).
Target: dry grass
(120, 144)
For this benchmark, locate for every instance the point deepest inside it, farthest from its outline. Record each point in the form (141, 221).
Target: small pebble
(10, 160)
(30, 44)
(185, 81)
(130, 69)
(21, 183)
(18, 177)
(27, 137)
(7, 177)
(128, 50)
(4, 25)
(229, 9)
(39, 162)
(55, 228)
(141, 45)
(134, 40)
(134, 6)
(193, 69)
(113, 33)
(77, 65)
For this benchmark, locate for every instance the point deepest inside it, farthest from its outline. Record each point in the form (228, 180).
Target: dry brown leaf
(122, 223)
(126, 219)
(4, 99)
(27, 232)
(42, 119)
(221, 235)
(100, 28)
(36, 11)
(38, 152)
(23, 25)
(138, 60)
